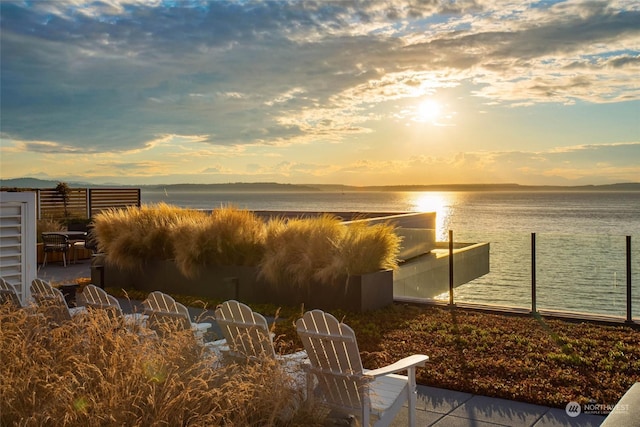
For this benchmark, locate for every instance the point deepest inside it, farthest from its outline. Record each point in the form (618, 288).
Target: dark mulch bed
(520, 357)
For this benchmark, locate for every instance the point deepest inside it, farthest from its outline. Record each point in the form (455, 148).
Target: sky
(323, 92)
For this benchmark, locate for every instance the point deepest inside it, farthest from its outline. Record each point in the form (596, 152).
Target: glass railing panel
(421, 275)
(574, 273)
(584, 273)
(507, 281)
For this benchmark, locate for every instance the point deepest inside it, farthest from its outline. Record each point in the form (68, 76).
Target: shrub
(323, 249)
(228, 236)
(91, 372)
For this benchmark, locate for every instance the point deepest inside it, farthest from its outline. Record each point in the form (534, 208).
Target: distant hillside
(632, 186)
(29, 183)
(42, 183)
(234, 186)
(275, 187)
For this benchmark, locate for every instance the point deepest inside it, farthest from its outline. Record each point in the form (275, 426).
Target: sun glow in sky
(429, 111)
(359, 93)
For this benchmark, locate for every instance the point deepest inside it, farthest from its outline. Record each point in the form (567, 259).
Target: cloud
(131, 77)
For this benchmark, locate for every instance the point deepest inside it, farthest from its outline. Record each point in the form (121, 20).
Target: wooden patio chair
(52, 301)
(343, 384)
(246, 334)
(166, 314)
(8, 294)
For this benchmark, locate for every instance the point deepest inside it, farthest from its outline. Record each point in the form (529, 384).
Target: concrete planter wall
(358, 293)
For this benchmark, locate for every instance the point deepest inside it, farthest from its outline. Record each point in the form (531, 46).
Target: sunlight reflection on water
(439, 202)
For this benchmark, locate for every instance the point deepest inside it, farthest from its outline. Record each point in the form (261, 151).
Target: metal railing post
(451, 267)
(87, 202)
(534, 309)
(629, 314)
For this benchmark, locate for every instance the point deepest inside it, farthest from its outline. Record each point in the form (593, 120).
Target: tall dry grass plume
(93, 371)
(323, 249)
(288, 252)
(295, 250)
(366, 248)
(229, 236)
(129, 237)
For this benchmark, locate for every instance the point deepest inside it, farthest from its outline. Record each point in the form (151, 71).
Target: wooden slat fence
(51, 204)
(105, 198)
(84, 202)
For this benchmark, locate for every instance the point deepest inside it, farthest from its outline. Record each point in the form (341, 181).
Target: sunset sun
(429, 111)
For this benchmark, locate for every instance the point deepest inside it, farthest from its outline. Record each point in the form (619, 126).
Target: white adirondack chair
(164, 311)
(8, 294)
(97, 298)
(52, 301)
(247, 334)
(342, 382)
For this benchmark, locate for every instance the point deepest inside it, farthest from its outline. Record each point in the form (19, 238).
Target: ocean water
(580, 237)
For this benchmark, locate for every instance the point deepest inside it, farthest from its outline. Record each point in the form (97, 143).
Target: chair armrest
(218, 345)
(73, 311)
(401, 365)
(201, 327)
(298, 356)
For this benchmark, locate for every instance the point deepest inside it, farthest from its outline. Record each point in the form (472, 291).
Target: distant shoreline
(33, 183)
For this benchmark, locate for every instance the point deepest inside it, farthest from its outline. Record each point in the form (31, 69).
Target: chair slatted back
(51, 300)
(8, 294)
(41, 288)
(54, 242)
(166, 314)
(246, 332)
(165, 322)
(159, 301)
(335, 359)
(95, 297)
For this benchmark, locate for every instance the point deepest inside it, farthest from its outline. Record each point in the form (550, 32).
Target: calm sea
(580, 237)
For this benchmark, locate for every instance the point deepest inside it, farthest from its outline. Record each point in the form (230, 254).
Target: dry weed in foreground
(92, 371)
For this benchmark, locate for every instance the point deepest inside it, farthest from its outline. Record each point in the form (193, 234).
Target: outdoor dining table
(71, 235)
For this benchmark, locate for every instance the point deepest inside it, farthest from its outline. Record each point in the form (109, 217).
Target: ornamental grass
(365, 248)
(228, 236)
(323, 249)
(130, 237)
(92, 371)
(287, 252)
